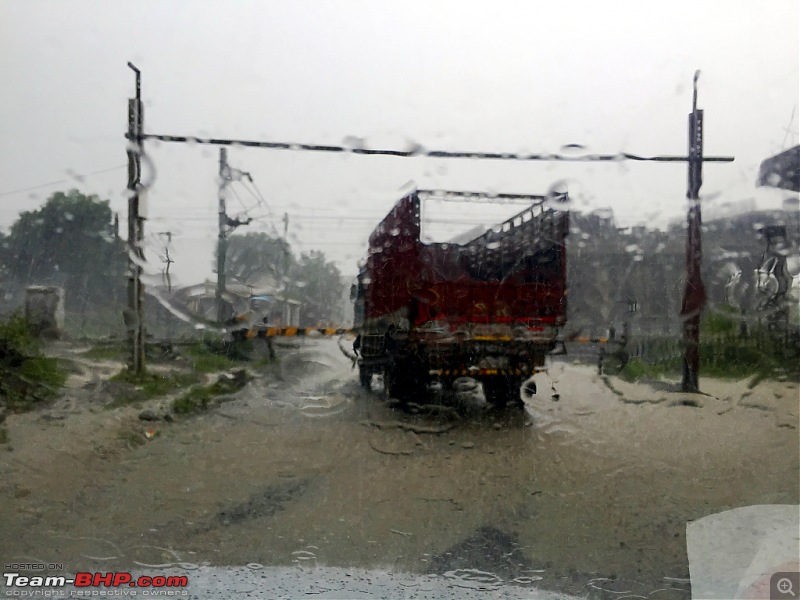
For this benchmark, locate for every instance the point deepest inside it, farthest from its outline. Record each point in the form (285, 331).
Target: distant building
(781, 171)
(250, 304)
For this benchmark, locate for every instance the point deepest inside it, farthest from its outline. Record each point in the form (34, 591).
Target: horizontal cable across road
(620, 156)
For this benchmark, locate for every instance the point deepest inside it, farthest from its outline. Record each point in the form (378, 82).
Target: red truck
(489, 309)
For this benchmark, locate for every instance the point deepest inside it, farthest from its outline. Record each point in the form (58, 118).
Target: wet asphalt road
(586, 491)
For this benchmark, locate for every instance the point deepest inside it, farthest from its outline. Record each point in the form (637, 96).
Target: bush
(637, 369)
(716, 323)
(721, 355)
(731, 357)
(27, 377)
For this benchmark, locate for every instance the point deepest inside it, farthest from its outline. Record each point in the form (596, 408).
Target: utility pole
(134, 313)
(694, 295)
(286, 270)
(226, 226)
(222, 240)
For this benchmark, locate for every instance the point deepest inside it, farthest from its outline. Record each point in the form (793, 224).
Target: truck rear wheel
(397, 384)
(502, 391)
(403, 382)
(364, 377)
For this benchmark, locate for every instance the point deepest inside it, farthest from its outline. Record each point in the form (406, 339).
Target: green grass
(711, 365)
(733, 359)
(205, 362)
(151, 385)
(637, 369)
(106, 352)
(209, 355)
(3, 436)
(719, 323)
(201, 397)
(44, 370)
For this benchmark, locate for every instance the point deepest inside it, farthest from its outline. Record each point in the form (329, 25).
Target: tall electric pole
(134, 313)
(694, 294)
(285, 270)
(222, 240)
(226, 226)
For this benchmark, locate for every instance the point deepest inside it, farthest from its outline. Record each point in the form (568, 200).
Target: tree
(254, 257)
(318, 285)
(3, 250)
(70, 241)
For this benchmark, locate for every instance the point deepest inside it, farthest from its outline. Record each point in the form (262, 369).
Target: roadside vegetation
(27, 377)
(209, 354)
(112, 351)
(724, 352)
(138, 388)
(203, 397)
(212, 354)
(191, 360)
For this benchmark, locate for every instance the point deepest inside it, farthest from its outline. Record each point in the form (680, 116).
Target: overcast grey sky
(485, 76)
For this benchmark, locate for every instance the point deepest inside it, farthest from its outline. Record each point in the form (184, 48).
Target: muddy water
(587, 491)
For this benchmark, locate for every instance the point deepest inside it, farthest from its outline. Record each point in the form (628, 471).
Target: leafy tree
(255, 256)
(3, 250)
(70, 241)
(318, 284)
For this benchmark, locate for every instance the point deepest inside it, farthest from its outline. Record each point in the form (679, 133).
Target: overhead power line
(60, 181)
(420, 151)
(256, 193)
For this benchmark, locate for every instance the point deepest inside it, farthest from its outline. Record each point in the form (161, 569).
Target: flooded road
(585, 492)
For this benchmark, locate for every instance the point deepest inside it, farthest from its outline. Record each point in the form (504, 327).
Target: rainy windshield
(429, 300)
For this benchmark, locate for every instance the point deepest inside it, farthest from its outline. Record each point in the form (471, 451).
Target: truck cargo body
(489, 308)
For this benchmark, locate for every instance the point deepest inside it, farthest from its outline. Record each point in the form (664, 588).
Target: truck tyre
(403, 382)
(364, 377)
(502, 391)
(397, 384)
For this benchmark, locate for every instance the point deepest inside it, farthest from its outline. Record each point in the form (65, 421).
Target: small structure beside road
(44, 310)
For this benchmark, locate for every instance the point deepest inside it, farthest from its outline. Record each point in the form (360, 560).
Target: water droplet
(573, 149)
(354, 143)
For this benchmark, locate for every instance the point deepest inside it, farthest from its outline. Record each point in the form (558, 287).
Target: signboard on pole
(695, 154)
